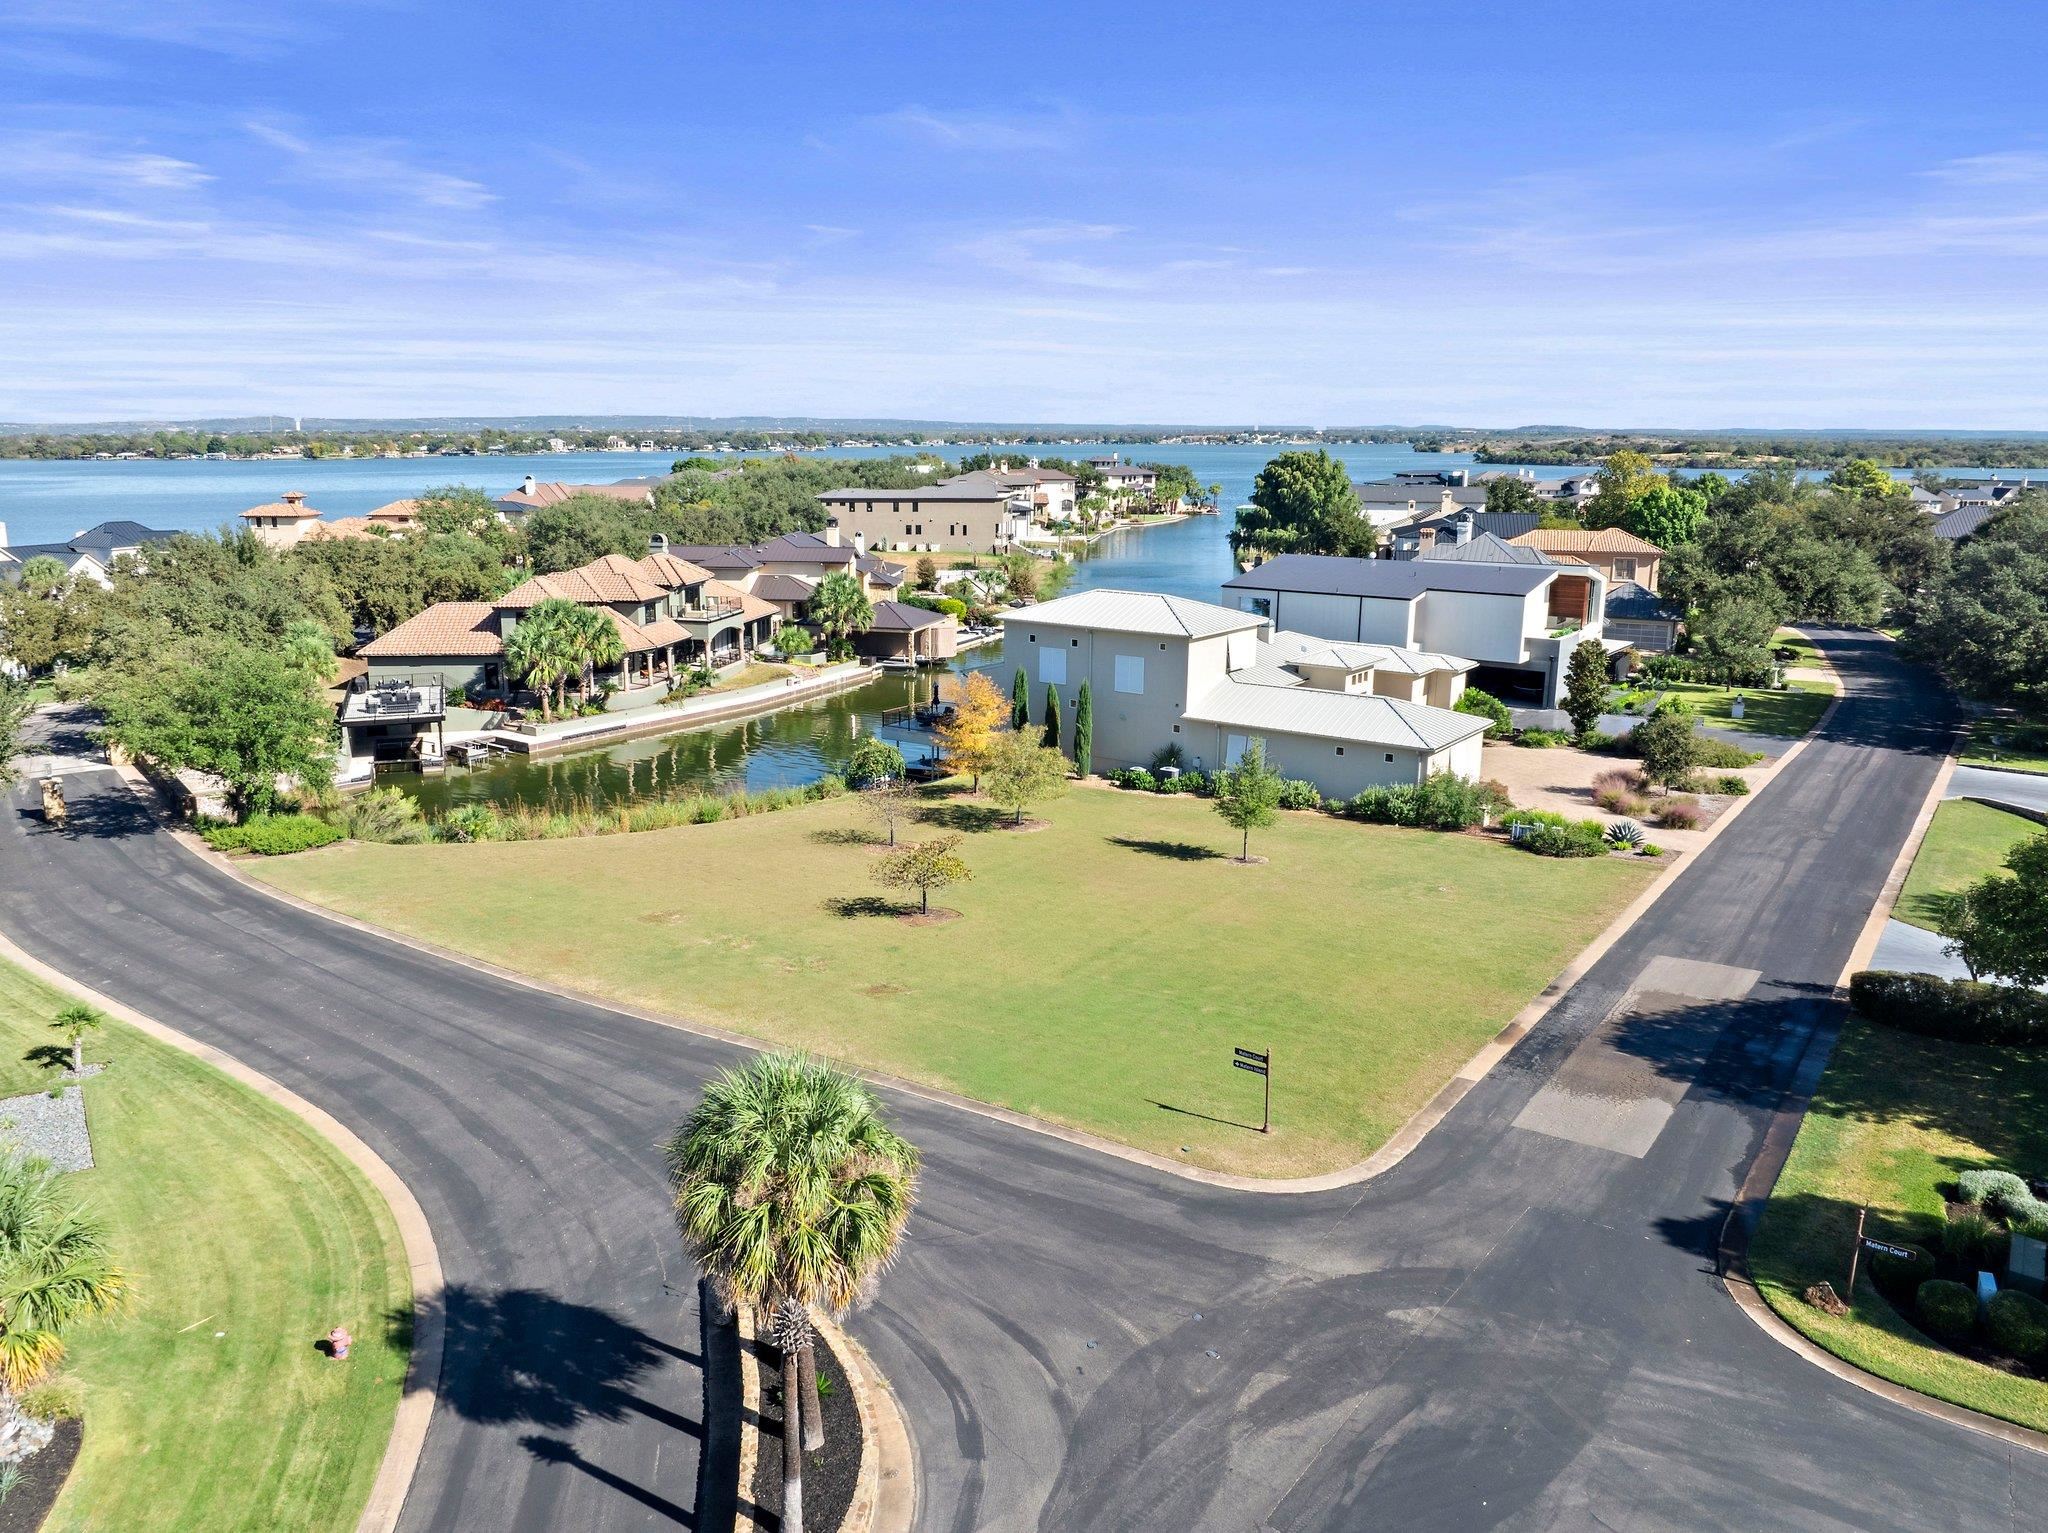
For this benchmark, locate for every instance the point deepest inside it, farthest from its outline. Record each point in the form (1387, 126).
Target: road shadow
(103, 811)
(1178, 851)
(517, 1356)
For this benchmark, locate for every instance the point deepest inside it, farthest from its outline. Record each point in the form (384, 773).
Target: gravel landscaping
(50, 1128)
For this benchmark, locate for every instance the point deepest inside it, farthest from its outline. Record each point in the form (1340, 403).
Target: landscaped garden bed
(247, 1238)
(1895, 1123)
(1099, 975)
(831, 1473)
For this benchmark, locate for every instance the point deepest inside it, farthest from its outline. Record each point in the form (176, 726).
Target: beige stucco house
(1165, 671)
(1614, 553)
(974, 513)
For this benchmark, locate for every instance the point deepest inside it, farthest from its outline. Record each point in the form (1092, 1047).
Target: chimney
(860, 544)
(657, 543)
(3, 534)
(529, 487)
(1461, 530)
(831, 534)
(293, 498)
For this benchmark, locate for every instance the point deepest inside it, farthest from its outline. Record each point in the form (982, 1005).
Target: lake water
(46, 501)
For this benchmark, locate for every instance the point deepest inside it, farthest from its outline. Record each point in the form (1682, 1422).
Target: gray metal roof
(1392, 579)
(1486, 548)
(1352, 717)
(1962, 522)
(1288, 647)
(1136, 612)
(1626, 599)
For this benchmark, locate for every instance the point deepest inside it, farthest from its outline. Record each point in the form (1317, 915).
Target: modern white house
(1165, 671)
(1519, 622)
(87, 555)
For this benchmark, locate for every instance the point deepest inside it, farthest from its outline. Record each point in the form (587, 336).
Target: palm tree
(791, 1191)
(539, 649)
(55, 1270)
(594, 640)
(74, 1022)
(840, 609)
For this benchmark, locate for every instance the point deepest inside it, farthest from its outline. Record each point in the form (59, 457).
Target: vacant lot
(1099, 975)
(1789, 714)
(249, 1238)
(1897, 1117)
(1964, 843)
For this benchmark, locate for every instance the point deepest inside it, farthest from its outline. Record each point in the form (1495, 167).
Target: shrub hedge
(1898, 1276)
(1961, 1010)
(272, 835)
(1991, 1187)
(2018, 1323)
(1947, 1310)
(1298, 793)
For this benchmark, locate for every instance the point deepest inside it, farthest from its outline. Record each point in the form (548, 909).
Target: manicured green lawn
(1790, 713)
(2010, 743)
(1100, 974)
(1805, 651)
(1964, 843)
(1895, 1117)
(248, 1237)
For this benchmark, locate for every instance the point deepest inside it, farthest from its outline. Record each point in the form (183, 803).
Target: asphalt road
(1520, 1326)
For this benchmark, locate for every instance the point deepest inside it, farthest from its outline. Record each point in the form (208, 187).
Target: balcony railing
(705, 612)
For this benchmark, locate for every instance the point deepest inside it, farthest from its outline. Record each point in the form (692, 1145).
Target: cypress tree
(1052, 716)
(1020, 701)
(1084, 730)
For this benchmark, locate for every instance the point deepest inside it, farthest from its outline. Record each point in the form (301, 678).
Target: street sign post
(1260, 1065)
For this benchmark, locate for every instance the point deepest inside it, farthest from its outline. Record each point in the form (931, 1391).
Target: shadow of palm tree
(1179, 851)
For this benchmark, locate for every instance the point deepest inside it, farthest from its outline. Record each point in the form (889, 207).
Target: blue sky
(1798, 214)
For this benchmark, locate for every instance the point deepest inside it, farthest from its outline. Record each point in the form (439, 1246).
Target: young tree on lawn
(74, 1022)
(840, 609)
(927, 572)
(969, 735)
(791, 1190)
(1668, 747)
(1022, 772)
(1084, 731)
(2001, 927)
(1021, 572)
(889, 802)
(1585, 686)
(55, 1271)
(1248, 794)
(924, 866)
(1020, 700)
(873, 759)
(1052, 716)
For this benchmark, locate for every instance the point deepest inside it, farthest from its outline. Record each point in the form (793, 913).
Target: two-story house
(1519, 622)
(1164, 671)
(972, 513)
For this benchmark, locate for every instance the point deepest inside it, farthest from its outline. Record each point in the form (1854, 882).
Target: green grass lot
(1896, 1117)
(248, 1237)
(2010, 743)
(1100, 973)
(1789, 714)
(1805, 651)
(1965, 842)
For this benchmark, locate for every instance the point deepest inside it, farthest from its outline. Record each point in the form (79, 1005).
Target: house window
(1390, 755)
(1340, 750)
(1624, 569)
(1130, 673)
(1052, 666)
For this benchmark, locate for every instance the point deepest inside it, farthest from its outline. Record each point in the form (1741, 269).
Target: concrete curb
(423, 1369)
(1783, 1131)
(1385, 1158)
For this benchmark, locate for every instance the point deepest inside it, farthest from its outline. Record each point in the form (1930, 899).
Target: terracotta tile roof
(664, 630)
(446, 628)
(341, 529)
(555, 492)
(402, 511)
(1578, 540)
(612, 578)
(292, 503)
(667, 570)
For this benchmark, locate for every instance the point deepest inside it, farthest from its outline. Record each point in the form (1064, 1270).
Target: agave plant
(1625, 833)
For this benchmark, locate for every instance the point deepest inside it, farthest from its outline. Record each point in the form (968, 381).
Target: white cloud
(92, 164)
(2001, 168)
(380, 165)
(1053, 127)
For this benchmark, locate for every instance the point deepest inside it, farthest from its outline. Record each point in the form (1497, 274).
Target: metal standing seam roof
(1148, 612)
(1352, 717)
(1961, 522)
(1288, 647)
(1391, 579)
(902, 617)
(774, 587)
(1488, 548)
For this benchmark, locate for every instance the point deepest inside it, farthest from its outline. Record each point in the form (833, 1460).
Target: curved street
(1520, 1326)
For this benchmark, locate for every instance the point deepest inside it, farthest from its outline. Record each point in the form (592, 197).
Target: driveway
(1518, 1327)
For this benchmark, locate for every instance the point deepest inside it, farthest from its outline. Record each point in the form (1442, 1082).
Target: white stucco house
(1518, 622)
(1165, 671)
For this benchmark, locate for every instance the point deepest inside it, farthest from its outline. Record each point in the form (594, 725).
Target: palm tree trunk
(792, 1445)
(814, 1410)
(78, 1052)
